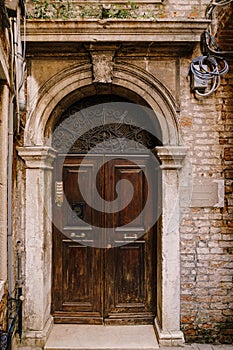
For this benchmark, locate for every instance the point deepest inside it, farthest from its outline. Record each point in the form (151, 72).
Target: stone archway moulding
(70, 80)
(38, 157)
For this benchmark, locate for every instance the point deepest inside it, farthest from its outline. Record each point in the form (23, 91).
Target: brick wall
(224, 31)
(226, 139)
(185, 9)
(207, 233)
(225, 108)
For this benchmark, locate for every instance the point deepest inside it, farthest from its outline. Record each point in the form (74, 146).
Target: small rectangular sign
(207, 193)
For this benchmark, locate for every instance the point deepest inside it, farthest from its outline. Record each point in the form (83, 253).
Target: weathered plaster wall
(3, 195)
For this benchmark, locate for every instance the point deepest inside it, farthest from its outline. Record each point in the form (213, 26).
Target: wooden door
(104, 260)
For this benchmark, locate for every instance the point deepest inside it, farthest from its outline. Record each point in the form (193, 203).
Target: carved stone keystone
(102, 66)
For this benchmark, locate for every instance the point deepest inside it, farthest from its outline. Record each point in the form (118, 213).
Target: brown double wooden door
(104, 263)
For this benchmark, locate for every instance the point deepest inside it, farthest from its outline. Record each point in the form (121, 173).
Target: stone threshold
(100, 337)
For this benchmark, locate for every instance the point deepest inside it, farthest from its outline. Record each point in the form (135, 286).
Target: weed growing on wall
(69, 10)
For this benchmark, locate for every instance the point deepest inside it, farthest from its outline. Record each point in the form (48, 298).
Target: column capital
(37, 157)
(171, 157)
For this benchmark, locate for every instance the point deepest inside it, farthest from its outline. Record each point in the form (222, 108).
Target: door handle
(134, 236)
(59, 197)
(76, 235)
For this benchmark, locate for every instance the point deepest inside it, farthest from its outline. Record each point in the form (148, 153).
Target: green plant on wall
(119, 11)
(41, 9)
(47, 10)
(61, 9)
(89, 11)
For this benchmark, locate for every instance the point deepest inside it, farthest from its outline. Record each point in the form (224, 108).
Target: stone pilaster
(38, 242)
(167, 323)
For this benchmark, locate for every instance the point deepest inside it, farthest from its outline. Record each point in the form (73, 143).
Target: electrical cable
(209, 61)
(209, 45)
(210, 8)
(221, 2)
(213, 62)
(211, 66)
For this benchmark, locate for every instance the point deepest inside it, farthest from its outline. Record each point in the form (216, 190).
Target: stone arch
(76, 82)
(52, 98)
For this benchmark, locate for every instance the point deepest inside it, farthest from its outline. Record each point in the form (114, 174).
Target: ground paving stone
(196, 346)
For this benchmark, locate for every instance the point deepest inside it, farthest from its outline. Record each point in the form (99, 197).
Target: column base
(168, 338)
(36, 339)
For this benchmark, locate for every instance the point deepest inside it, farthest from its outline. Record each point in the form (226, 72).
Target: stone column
(38, 242)
(167, 323)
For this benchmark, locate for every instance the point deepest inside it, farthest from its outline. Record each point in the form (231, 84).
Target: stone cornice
(105, 30)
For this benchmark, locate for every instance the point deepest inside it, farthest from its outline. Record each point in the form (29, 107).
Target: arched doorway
(104, 233)
(39, 156)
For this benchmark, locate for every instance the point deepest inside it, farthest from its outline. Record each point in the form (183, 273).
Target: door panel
(80, 220)
(130, 283)
(134, 172)
(77, 286)
(129, 292)
(77, 292)
(77, 274)
(115, 284)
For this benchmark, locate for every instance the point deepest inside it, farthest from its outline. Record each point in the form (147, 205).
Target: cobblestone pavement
(199, 347)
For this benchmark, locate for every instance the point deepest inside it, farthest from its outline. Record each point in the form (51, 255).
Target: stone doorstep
(91, 337)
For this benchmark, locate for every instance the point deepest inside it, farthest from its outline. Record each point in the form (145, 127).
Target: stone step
(91, 337)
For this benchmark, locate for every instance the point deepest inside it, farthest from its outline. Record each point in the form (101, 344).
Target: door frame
(38, 229)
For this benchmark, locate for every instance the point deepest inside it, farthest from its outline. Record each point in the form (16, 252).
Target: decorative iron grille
(106, 126)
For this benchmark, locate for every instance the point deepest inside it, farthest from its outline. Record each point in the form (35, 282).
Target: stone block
(207, 193)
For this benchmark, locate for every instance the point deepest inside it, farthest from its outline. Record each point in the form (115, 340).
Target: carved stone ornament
(102, 67)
